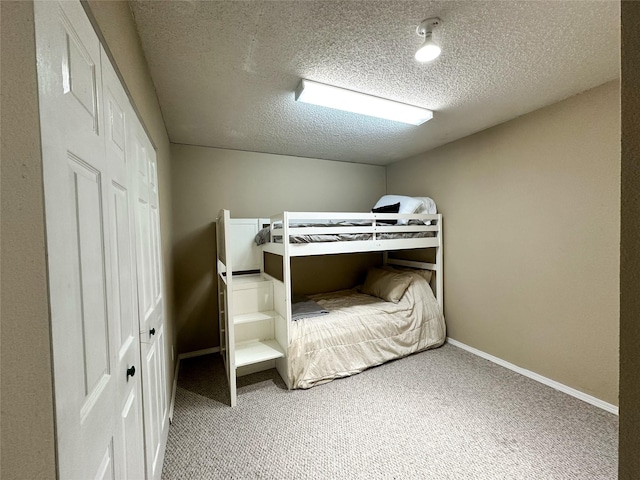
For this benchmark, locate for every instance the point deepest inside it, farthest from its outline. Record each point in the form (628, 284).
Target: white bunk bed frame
(297, 223)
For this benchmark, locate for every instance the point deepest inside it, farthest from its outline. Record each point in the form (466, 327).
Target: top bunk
(415, 226)
(294, 234)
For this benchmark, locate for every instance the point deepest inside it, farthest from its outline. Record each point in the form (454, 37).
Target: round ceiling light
(429, 50)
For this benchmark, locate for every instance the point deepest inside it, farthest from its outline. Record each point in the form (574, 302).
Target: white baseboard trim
(173, 390)
(538, 378)
(197, 353)
(182, 356)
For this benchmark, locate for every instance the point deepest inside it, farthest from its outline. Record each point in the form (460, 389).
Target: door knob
(152, 331)
(131, 371)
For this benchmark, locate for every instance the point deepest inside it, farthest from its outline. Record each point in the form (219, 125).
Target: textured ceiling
(225, 71)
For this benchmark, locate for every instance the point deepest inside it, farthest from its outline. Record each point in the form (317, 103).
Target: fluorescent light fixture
(350, 101)
(429, 50)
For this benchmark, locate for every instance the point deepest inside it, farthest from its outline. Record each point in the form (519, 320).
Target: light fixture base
(426, 26)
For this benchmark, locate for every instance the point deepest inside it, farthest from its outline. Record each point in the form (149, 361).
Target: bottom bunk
(394, 314)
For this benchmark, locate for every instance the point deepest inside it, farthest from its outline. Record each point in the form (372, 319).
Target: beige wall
(27, 433)
(116, 25)
(205, 180)
(629, 460)
(531, 229)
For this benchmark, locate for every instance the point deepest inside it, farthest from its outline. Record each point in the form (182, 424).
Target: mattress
(329, 236)
(362, 331)
(345, 237)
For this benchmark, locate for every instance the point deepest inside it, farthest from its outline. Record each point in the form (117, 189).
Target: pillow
(407, 204)
(387, 285)
(426, 274)
(428, 205)
(395, 208)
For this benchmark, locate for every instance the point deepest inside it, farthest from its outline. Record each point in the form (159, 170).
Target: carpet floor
(439, 414)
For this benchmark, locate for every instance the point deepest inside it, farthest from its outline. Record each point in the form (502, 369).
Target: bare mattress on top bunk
(361, 331)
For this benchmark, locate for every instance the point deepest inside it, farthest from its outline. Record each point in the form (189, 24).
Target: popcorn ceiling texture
(225, 72)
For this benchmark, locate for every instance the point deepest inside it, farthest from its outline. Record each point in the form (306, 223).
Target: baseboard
(197, 353)
(538, 378)
(173, 390)
(182, 356)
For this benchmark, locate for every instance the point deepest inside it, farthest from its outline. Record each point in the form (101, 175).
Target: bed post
(225, 286)
(282, 364)
(286, 270)
(439, 266)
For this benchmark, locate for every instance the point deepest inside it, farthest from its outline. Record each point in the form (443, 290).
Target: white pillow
(407, 204)
(428, 205)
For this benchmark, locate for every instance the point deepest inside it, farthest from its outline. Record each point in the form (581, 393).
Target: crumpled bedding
(362, 331)
(304, 307)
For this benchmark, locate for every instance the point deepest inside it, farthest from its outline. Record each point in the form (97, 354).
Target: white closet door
(151, 301)
(90, 295)
(118, 115)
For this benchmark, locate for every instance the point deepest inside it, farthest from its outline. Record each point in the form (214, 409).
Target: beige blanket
(362, 331)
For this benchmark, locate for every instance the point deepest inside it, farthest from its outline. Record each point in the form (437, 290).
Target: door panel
(86, 204)
(155, 254)
(152, 407)
(79, 75)
(162, 377)
(124, 311)
(106, 470)
(76, 206)
(132, 435)
(146, 273)
(143, 229)
(158, 303)
(115, 120)
(151, 303)
(129, 435)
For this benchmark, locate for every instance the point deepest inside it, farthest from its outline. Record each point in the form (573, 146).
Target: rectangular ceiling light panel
(350, 101)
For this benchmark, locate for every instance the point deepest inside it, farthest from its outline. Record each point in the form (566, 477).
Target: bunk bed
(361, 329)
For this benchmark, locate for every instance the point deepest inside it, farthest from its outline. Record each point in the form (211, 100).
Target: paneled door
(118, 119)
(151, 301)
(90, 251)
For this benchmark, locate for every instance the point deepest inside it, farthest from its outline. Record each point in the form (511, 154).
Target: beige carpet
(440, 414)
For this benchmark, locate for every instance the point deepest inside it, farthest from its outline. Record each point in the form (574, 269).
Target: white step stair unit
(253, 332)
